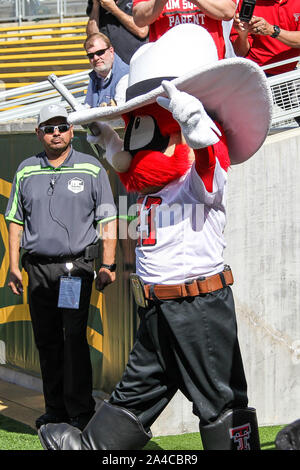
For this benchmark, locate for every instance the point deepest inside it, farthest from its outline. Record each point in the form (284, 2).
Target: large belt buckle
(137, 286)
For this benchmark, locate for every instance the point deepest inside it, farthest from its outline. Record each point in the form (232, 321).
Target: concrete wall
(263, 249)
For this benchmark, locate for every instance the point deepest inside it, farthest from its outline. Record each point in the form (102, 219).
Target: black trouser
(60, 336)
(188, 344)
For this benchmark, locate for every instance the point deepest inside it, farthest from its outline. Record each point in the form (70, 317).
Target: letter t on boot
(235, 429)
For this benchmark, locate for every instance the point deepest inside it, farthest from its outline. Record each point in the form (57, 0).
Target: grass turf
(18, 436)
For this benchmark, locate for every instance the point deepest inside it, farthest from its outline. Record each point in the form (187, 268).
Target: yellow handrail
(24, 57)
(43, 26)
(39, 40)
(39, 48)
(23, 47)
(39, 74)
(45, 63)
(42, 33)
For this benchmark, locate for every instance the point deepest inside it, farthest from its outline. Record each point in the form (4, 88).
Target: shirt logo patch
(76, 185)
(296, 16)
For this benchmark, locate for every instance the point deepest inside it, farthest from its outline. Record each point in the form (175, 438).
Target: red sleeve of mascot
(205, 160)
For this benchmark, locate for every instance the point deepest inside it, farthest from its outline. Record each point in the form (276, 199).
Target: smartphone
(246, 10)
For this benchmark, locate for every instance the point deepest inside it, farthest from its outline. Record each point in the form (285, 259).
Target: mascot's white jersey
(172, 219)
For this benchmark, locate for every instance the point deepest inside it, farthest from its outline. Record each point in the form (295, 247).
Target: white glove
(197, 127)
(108, 139)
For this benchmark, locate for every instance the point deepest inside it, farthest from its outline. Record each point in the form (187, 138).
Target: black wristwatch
(110, 267)
(276, 31)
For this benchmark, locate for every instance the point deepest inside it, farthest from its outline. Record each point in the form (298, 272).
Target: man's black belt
(89, 254)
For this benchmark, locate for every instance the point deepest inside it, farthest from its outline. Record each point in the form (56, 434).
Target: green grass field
(17, 436)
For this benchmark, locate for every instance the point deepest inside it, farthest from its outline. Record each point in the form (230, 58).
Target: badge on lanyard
(69, 290)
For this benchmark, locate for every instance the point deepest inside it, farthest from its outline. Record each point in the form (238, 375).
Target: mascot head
(234, 92)
(157, 153)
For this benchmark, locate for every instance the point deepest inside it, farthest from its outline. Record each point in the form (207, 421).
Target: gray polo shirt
(60, 207)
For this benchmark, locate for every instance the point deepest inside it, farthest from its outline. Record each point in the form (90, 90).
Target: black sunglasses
(50, 129)
(99, 53)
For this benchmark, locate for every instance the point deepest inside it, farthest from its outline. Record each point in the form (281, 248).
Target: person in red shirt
(162, 15)
(272, 34)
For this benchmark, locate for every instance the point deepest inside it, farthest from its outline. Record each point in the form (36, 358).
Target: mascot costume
(288, 437)
(188, 117)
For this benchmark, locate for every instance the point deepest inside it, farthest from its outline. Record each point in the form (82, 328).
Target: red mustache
(150, 169)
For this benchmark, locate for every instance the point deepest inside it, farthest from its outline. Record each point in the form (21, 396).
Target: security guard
(59, 197)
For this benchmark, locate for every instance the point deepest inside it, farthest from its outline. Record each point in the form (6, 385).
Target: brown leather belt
(196, 287)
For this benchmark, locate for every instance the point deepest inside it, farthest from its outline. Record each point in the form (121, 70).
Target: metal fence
(285, 89)
(33, 10)
(23, 102)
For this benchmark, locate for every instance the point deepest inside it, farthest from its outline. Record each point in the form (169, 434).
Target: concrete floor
(21, 404)
(21, 398)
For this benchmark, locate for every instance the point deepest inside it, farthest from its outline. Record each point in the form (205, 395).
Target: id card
(69, 292)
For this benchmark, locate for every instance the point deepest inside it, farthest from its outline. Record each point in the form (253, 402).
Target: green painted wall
(112, 320)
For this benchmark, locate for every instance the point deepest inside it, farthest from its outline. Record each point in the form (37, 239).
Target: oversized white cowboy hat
(233, 91)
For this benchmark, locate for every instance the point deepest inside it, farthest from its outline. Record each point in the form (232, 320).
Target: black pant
(188, 344)
(60, 336)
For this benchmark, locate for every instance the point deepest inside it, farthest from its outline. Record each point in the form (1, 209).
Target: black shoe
(50, 418)
(81, 421)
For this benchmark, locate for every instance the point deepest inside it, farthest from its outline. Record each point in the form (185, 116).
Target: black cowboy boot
(111, 428)
(235, 429)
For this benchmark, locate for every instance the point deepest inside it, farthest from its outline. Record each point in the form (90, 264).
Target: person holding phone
(162, 15)
(271, 35)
